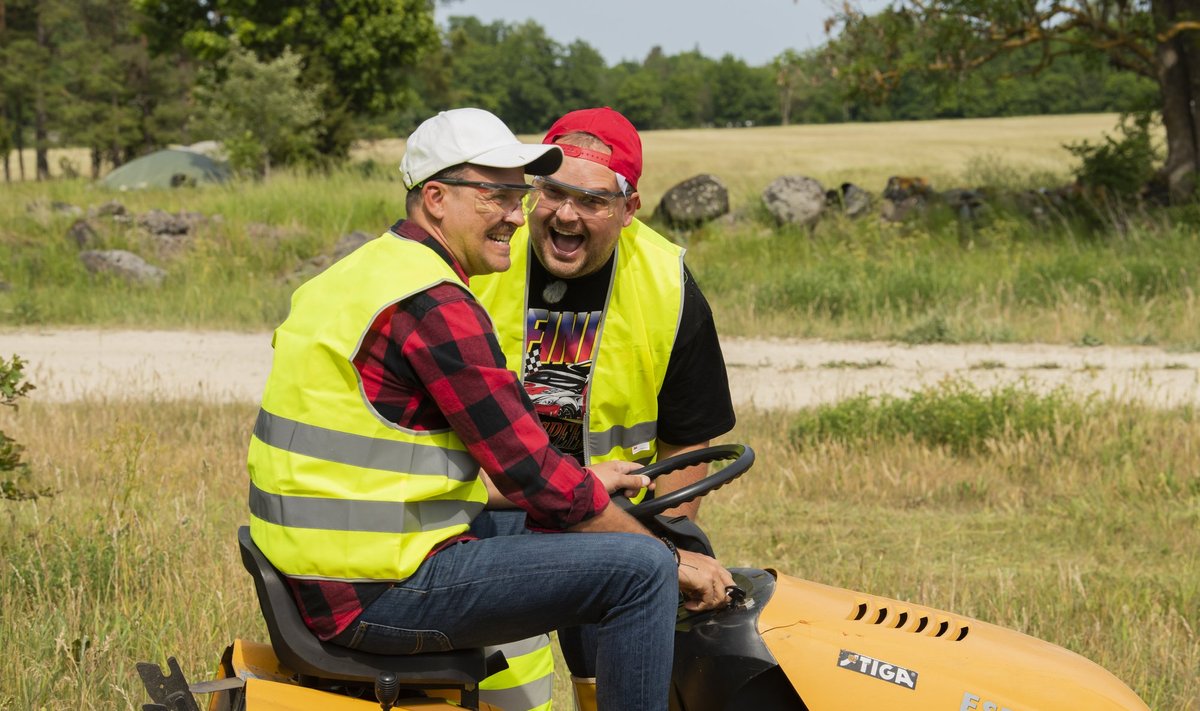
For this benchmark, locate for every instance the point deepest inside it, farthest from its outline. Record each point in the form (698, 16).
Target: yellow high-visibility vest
(637, 332)
(336, 491)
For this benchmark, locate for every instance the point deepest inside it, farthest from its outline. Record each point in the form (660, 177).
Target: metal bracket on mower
(168, 691)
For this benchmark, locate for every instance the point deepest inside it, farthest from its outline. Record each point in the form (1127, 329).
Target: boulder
(82, 234)
(112, 208)
(902, 187)
(900, 210)
(795, 200)
(124, 264)
(160, 222)
(695, 201)
(904, 196)
(965, 203)
(850, 199)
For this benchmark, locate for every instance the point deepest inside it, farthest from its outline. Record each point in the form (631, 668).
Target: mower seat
(299, 649)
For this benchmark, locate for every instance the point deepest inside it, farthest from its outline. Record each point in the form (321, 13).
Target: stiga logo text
(863, 664)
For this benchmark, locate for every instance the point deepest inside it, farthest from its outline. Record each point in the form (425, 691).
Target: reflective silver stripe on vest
(359, 451)
(621, 436)
(363, 516)
(529, 695)
(521, 647)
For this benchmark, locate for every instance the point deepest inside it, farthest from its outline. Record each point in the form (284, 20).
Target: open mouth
(565, 242)
(501, 238)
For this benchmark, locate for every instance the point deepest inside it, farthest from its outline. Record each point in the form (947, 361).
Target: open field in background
(1072, 521)
(78, 160)
(748, 159)
(1003, 278)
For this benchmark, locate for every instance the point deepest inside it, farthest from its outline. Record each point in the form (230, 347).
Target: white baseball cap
(471, 136)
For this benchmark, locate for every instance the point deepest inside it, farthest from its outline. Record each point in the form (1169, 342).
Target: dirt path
(72, 364)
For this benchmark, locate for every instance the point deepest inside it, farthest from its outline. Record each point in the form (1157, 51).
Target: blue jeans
(578, 644)
(502, 589)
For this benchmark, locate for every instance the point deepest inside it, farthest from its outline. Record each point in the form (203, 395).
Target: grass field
(1126, 279)
(747, 159)
(1075, 522)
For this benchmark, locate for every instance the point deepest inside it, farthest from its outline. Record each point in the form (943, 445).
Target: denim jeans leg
(497, 590)
(499, 522)
(578, 646)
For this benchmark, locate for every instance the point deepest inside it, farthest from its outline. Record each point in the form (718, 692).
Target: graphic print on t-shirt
(558, 360)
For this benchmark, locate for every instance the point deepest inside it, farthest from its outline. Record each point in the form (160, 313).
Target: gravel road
(68, 365)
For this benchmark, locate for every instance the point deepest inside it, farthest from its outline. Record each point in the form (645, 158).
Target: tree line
(299, 81)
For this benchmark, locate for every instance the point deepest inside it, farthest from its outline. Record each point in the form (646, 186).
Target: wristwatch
(671, 547)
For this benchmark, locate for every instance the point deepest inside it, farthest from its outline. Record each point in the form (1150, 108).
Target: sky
(754, 30)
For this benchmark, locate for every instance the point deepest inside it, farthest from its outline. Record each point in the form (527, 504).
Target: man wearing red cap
(612, 337)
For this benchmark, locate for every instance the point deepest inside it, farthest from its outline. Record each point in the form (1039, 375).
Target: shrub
(1119, 167)
(12, 388)
(953, 414)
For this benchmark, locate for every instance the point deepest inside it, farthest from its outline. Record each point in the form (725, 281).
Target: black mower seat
(300, 650)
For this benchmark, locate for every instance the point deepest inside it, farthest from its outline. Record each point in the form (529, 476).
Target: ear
(632, 204)
(433, 198)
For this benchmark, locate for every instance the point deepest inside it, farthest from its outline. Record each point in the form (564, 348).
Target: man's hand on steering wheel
(742, 459)
(622, 477)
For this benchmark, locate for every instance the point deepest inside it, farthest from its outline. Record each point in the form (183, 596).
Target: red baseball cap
(610, 127)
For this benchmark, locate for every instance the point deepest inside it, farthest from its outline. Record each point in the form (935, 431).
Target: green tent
(167, 169)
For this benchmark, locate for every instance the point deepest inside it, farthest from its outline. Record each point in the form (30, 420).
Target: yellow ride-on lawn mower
(782, 643)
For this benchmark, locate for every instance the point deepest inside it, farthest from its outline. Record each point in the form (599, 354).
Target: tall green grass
(1074, 521)
(1004, 278)
(237, 270)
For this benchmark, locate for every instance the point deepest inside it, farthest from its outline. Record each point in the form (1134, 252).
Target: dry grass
(78, 160)
(1087, 538)
(747, 159)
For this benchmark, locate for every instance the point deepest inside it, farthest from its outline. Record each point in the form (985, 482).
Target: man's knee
(651, 560)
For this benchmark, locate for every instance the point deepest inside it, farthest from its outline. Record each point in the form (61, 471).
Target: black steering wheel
(743, 459)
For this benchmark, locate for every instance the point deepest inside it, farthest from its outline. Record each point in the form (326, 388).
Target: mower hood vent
(908, 618)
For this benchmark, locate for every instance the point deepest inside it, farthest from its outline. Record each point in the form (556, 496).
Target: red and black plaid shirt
(430, 362)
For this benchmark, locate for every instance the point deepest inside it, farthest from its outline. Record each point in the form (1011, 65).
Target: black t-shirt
(694, 404)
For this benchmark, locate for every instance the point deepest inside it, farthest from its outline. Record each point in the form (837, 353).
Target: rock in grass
(851, 199)
(126, 265)
(82, 234)
(112, 208)
(695, 201)
(795, 200)
(160, 222)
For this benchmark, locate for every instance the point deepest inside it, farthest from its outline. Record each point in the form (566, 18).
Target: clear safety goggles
(498, 197)
(588, 203)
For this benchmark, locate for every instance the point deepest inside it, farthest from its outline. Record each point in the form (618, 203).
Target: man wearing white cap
(388, 392)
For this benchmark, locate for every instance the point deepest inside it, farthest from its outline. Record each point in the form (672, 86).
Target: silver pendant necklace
(554, 291)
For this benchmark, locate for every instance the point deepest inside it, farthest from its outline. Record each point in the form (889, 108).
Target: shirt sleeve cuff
(589, 499)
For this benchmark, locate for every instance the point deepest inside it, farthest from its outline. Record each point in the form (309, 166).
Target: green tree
(790, 75)
(1156, 39)
(638, 96)
(747, 94)
(30, 76)
(119, 101)
(360, 53)
(260, 109)
(12, 388)
(513, 70)
(583, 75)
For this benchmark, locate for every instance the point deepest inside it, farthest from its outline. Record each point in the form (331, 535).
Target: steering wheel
(743, 459)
